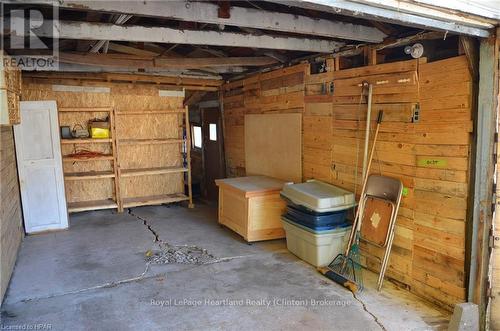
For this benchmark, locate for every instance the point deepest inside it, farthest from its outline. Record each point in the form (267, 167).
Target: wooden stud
(116, 163)
(372, 56)
(188, 157)
(336, 64)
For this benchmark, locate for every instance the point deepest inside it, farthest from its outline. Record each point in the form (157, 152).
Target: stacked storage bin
(315, 220)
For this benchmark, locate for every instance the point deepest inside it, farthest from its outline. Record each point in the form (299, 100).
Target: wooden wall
(280, 91)
(431, 156)
(11, 231)
(124, 98)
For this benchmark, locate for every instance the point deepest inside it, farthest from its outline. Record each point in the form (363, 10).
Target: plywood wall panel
(280, 91)
(123, 98)
(150, 126)
(149, 156)
(152, 185)
(273, 145)
(89, 190)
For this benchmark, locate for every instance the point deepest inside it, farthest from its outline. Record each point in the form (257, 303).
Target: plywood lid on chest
(252, 185)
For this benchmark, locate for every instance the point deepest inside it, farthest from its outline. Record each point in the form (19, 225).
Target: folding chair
(380, 205)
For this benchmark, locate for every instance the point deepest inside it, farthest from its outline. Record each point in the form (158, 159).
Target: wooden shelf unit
(124, 173)
(74, 207)
(116, 174)
(154, 200)
(150, 141)
(85, 141)
(174, 111)
(88, 175)
(86, 109)
(115, 202)
(89, 158)
(152, 171)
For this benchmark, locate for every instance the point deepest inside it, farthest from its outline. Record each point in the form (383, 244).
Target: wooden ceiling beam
(112, 32)
(205, 12)
(123, 60)
(130, 50)
(194, 98)
(124, 77)
(392, 12)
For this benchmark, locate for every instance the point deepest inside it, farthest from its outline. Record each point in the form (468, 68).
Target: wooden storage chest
(252, 207)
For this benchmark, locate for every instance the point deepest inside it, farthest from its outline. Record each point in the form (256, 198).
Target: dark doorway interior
(213, 154)
(207, 156)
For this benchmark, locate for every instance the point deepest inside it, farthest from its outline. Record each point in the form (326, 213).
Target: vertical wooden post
(116, 163)
(330, 65)
(188, 157)
(372, 56)
(223, 126)
(482, 215)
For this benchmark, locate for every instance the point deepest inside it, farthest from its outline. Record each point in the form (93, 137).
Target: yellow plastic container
(99, 133)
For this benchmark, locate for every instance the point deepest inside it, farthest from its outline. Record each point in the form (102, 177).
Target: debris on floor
(168, 254)
(184, 254)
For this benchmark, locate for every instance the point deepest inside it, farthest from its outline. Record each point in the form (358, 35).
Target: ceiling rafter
(364, 10)
(122, 60)
(112, 32)
(104, 44)
(205, 12)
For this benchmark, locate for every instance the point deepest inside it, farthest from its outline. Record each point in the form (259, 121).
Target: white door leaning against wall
(39, 165)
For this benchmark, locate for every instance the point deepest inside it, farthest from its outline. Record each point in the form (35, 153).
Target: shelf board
(149, 112)
(74, 207)
(92, 158)
(149, 141)
(86, 109)
(85, 141)
(88, 175)
(154, 200)
(151, 171)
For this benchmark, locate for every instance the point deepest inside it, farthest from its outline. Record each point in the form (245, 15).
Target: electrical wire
(85, 154)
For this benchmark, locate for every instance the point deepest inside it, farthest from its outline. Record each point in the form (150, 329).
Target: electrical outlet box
(416, 113)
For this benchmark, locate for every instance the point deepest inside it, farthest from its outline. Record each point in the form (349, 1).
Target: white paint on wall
(170, 93)
(85, 89)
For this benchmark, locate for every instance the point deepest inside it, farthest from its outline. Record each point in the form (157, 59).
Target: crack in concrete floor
(169, 254)
(138, 278)
(159, 241)
(144, 276)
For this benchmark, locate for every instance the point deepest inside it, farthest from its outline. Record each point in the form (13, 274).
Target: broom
(345, 269)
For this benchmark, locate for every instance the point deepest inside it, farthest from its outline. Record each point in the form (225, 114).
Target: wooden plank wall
(11, 230)
(280, 91)
(124, 97)
(431, 157)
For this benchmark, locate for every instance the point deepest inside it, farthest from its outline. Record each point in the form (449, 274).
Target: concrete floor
(95, 277)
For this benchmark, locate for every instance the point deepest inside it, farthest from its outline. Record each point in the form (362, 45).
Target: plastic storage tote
(318, 248)
(318, 196)
(316, 221)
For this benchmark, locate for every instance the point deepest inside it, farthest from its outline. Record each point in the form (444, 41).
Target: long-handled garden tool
(345, 269)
